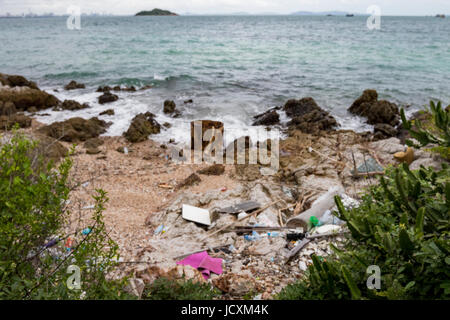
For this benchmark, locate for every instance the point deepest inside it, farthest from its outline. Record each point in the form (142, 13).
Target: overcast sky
(128, 7)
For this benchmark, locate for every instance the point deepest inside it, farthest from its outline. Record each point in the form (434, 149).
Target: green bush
(33, 198)
(402, 226)
(436, 132)
(165, 289)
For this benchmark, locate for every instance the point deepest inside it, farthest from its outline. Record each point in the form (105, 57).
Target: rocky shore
(147, 190)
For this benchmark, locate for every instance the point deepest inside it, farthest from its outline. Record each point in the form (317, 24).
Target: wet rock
(26, 97)
(75, 129)
(16, 81)
(107, 97)
(7, 108)
(104, 89)
(308, 117)
(188, 101)
(8, 122)
(214, 170)
(116, 88)
(268, 118)
(169, 106)
(72, 85)
(73, 105)
(295, 108)
(189, 181)
(141, 127)
(93, 143)
(313, 122)
(376, 111)
(109, 112)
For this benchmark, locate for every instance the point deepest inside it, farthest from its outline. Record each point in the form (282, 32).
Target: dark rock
(376, 111)
(117, 88)
(188, 101)
(72, 85)
(25, 97)
(268, 118)
(130, 89)
(93, 143)
(169, 107)
(295, 108)
(214, 170)
(167, 125)
(16, 81)
(313, 122)
(386, 130)
(73, 105)
(189, 181)
(141, 127)
(308, 117)
(369, 96)
(75, 129)
(104, 89)
(109, 112)
(8, 122)
(32, 109)
(7, 108)
(107, 97)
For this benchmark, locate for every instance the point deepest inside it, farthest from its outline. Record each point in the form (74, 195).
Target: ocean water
(233, 67)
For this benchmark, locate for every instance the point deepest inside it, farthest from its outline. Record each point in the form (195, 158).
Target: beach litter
(203, 263)
(198, 215)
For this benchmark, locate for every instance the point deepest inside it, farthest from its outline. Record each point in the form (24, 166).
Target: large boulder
(72, 85)
(308, 117)
(75, 129)
(26, 97)
(107, 97)
(8, 122)
(295, 108)
(141, 127)
(376, 111)
(16, 81)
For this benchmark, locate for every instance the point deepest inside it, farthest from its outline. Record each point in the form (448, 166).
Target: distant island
(156, 12)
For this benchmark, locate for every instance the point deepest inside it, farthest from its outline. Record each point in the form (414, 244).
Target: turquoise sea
(233, 67)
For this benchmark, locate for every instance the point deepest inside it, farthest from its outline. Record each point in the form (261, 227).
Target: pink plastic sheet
(203, 263)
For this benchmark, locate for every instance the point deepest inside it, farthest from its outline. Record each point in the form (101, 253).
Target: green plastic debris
(314, 221)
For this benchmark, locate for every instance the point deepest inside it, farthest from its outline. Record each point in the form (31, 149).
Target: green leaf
(354, 290)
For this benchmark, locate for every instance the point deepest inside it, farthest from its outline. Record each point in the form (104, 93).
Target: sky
(130, 7)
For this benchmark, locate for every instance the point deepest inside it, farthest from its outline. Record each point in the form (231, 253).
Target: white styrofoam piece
(195, 214)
